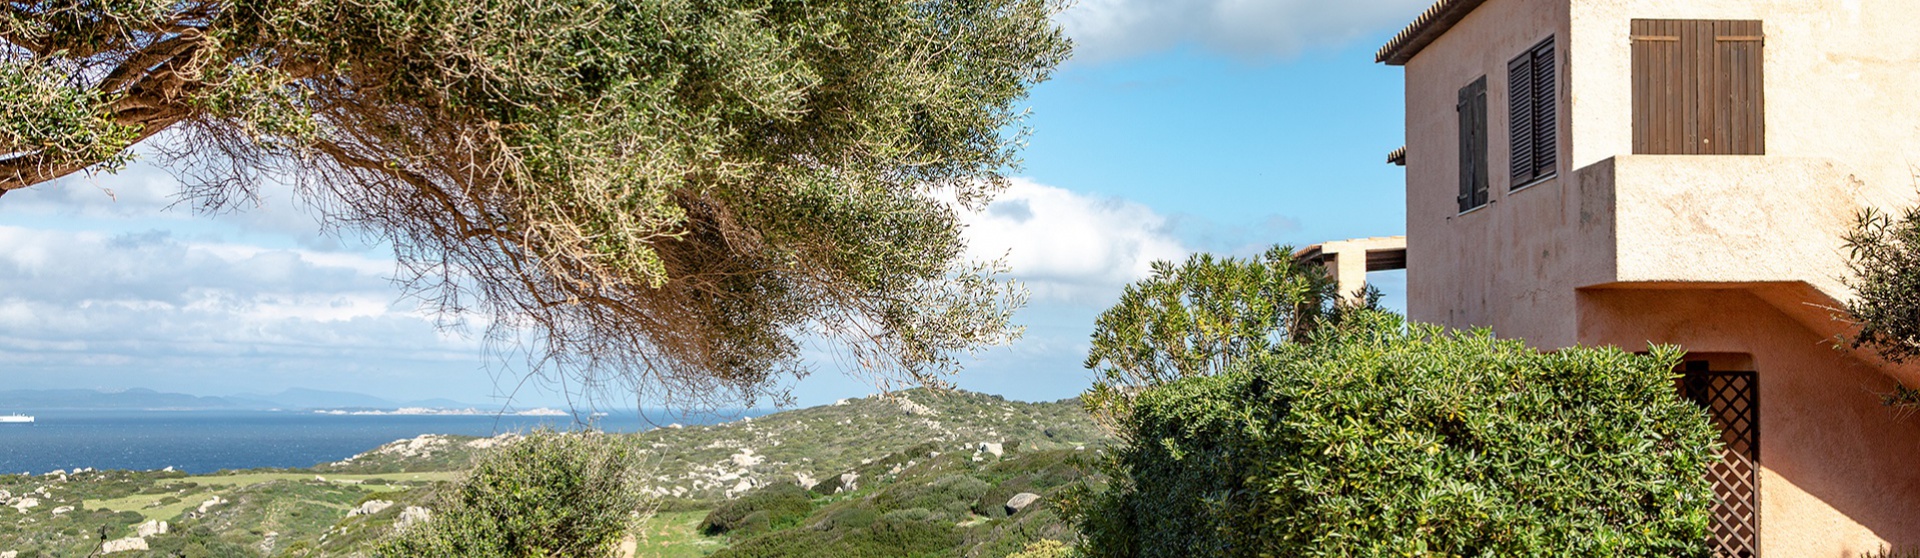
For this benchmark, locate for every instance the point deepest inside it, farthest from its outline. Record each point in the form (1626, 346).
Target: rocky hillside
(848, 451)
(810, 446)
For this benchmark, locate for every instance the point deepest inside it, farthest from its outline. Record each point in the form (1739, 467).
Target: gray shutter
(1478, 100)
(1477, 140)
(1465, 111)
(1546, 123)
(1520, 111)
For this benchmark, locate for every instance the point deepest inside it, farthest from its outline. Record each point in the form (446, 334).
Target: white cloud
(1112, 29)
(1069, 246)
(106, 298)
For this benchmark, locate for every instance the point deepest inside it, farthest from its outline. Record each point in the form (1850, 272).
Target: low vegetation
(1380, 438)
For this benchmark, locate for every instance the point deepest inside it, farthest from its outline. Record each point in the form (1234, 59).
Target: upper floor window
(1531, 118)
(1473, 144)
(1697, 88)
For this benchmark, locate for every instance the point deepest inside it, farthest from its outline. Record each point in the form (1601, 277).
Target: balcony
(1675, 221)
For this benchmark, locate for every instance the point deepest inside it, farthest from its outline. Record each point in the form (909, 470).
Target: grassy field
(675, 535)
(192, 494)
(246, 479)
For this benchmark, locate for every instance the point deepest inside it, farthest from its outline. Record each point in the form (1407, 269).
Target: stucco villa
(1635, 172)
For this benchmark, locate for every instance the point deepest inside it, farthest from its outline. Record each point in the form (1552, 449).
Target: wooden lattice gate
(1733, 399)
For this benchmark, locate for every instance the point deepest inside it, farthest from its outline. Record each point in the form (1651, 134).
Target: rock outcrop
(25, 504)
(211, 502)
(1021, 501)
(413, 515)
(128, 544)
(370, 507)
(151, 528)
(994, 448)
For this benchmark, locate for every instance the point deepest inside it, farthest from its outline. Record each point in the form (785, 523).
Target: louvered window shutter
(1546, 143)
(1480, 170)
(1520, 114)
(1532, 148)
(1465, 110)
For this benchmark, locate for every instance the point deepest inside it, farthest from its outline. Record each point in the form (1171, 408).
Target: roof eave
(1431, 24)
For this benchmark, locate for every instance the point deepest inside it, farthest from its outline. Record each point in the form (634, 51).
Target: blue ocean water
(208, 441)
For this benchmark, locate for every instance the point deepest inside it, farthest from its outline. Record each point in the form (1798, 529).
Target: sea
(210, 441)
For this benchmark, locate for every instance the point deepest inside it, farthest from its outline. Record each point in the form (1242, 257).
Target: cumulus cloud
(1069, 246)
(107, 299)
(1253, 29)
(146, 192)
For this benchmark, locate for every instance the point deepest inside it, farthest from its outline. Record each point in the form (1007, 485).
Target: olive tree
(663, 194)
(1884, 264)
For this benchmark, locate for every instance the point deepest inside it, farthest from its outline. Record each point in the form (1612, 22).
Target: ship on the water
(16, 419)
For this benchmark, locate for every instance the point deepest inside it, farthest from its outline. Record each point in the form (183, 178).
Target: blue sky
(1181, 126)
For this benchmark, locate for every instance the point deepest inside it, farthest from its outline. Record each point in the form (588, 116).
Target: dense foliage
(1884, 258)
(667, 193)
(1199, 318)
(549, 495)
(1379, 438)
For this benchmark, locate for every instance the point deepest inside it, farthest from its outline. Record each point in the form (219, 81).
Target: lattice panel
(1733, 400)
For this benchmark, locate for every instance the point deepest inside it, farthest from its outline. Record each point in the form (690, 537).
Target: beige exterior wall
(1842, 133)
(1735, 255)
(1485, 266)
(1837, 471)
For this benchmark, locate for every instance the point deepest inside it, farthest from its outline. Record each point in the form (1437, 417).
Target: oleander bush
(550, 494)
(1377, 437)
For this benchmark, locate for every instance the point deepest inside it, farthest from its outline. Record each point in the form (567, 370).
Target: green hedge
(1378, 438)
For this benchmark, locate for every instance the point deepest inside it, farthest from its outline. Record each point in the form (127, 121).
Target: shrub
(1046, 549)
(547, 495)
(777, 505)
(1376, 438)
(1038, 473)
(950, 497)
(903, 533)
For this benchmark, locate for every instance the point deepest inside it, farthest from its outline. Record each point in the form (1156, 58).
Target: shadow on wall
(1831, 447)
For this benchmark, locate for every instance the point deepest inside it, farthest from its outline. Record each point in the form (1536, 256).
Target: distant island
(429, 411)
(298, 400)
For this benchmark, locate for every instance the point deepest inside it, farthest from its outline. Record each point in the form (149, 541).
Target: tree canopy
(1200, 317)
(672, 193)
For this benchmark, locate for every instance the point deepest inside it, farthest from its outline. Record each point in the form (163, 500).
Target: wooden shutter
(1473, 145)
(1520, 113)
(1533, 147)
(1698, 87)
(1546, 123)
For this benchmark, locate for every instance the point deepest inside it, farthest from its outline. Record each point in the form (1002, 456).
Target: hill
(861, 457)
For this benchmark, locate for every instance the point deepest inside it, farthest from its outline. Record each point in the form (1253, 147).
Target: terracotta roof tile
(1429, 26)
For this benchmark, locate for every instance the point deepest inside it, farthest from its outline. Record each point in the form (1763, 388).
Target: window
(1698, 88)
(1473, 145)
(1533, 148)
